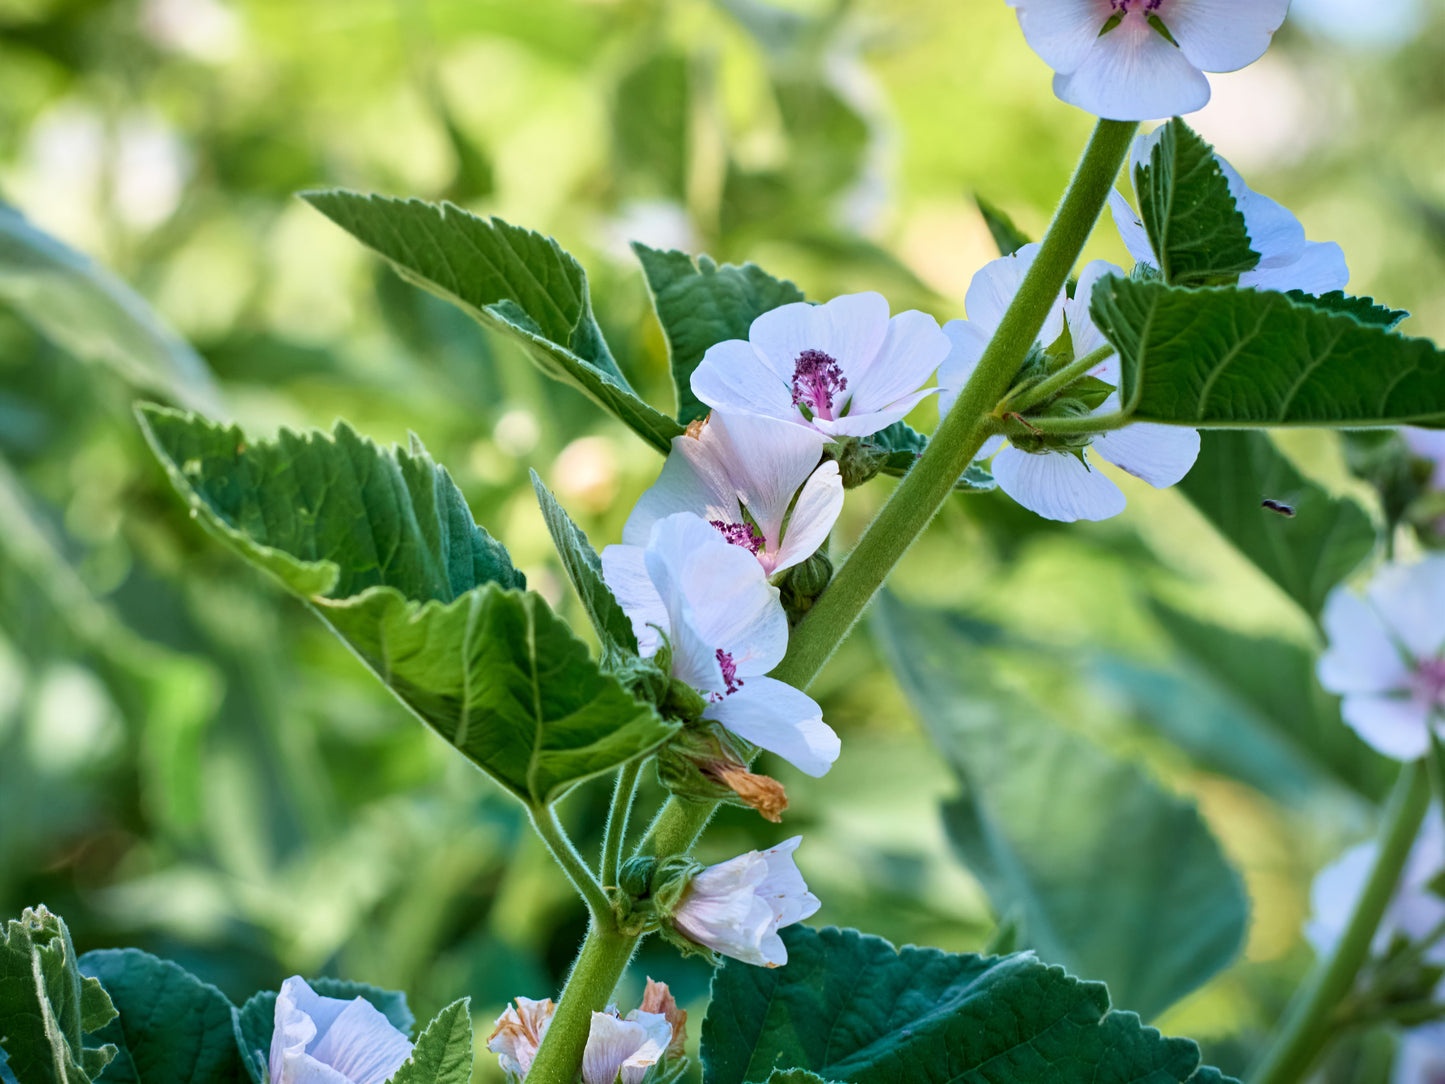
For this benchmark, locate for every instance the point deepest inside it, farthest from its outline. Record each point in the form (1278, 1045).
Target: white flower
(1116, 59)
(1420, 1058)
(1060, 484)
(844, 368)
(519, 1033)
(325, 1040)
(713, 603)
(1287, 261)
(629, 1047)
(737, 907)
(741, 473)
(1414, 911)
(1386, 657)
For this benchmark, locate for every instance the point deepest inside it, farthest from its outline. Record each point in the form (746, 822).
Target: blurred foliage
(191, 764)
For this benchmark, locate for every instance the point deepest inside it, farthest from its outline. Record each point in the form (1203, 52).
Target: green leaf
(797, 1076)
(90, 313)
(1163, 911)
(1232, 358)
(584, 569)
(901, 444)
(700, 304)
(851, 1007)
(1197, 232)
(650, 123)
(382, 546)
(1305, 554)
(46, 1006)
(1362, 309)
(171, 1029)
(1008, 237)
(511, 280)
(443, 1053)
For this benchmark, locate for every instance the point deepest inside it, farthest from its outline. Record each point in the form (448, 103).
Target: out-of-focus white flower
(325, 1039)
(1429, 444)
(1060, 484)
(1386, 656)
(1145, 59)
(1287, 261)
(844, 368)
(741, 472)
(519, 1033)
(628, 1047)
(737, 907)
(1420, 1058)
(726, 628)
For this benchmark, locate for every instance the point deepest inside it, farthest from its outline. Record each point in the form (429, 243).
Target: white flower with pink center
(1287, 260)
(737, 907)
(843, 368)
(1054, 483)
(712, 604)
(328, 1039)
(742, 474)
(1386, 657)
(1145, 59)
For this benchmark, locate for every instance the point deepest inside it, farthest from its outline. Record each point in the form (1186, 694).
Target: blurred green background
(191, 764)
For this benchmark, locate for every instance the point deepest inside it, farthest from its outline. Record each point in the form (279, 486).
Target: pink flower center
(817, 378)
(740, 534)
(1429, 681)
(729, 673)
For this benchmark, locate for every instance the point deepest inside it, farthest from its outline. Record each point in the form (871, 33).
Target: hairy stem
(594, 976)
(1308, 1023)
(616, 831)
(1060, 380)
(545, 821)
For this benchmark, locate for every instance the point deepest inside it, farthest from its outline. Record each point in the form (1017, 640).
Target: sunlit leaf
(443, 1053)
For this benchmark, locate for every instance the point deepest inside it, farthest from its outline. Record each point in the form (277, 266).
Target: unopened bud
(635, 877)
(858, 460)
(682, 701)
(801, 585)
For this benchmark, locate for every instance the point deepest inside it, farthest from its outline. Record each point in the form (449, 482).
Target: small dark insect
(1283, 509)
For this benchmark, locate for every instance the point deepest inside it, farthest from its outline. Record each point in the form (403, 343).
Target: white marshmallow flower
(1386, 657)
(726, 629)
(737, 907)
(616, 1046)
(1060, 484)
(1287, 260)
(328, 1040)
(1145, 59)
(741, 473)
(843, 368)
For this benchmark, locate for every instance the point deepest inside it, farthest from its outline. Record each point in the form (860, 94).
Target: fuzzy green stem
(565, 852)
(959, 436)
(1046, 389)
(616, 831)
(1309, 1023)
(594, 976)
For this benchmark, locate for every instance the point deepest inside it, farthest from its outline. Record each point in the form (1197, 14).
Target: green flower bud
(635, 878)
(858, 460)
(801, 585)
(682, 701)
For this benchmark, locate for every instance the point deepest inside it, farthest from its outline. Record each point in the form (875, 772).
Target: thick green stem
(616, 830)
(565, 852)
(1308, 1023)
(1060, 380)
(594, 976)
(960, 435)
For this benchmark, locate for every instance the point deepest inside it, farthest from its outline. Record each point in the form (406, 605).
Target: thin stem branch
(1084, 423)
(1047, 388)
(617, 816)
(1309, 1022)
(565, 852)
(594, 976)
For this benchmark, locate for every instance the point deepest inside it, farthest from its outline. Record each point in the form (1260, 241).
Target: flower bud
(682, 701)
(635, 878)
(858, 460)
(708, 764)
(801, 585)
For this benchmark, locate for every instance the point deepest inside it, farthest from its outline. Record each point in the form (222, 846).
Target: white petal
(990, 447)
(1087, 338)
(694, 479)
(1224, 35)
(1420, 1058)
(910, 354)
(722, 911)
(813, 517)
(783, 888)
(1395, 726)
(1361, 656)
(1410, 599)
(733, 377)
(1320, 269)
(853, 329)
(1131, 230)
(780, 335)
(1274, 232)
(1061, 31)
(1333, 894)
(992, 290)
(762, 462)
(1056, 485)
(782, 720)
(610, 1042)
(967, 341)
(1132, 73)
(1159, 454)
(1141, 151)
(624, 570)
(362, 1045)
(869, 422)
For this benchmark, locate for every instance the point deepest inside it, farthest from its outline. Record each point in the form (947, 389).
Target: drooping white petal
(783, 887)
(1159, 454)
(362, 1045)
(737, 907)
(1225, 35)
(629, 1047)
(735, 378)
(1087, 338)
(992, 290)
(910, 353)
(1061, 31)
(1056, 485)
(1395, 726)
(1131, 230)
(1133, 73)
(868, 423)
(1274, 231)
(694, 478)
(1320, 269)
(967, 341)
(780, 719)
(813, 517)
(519, 1032)
(326, 1040)
(624, 570)
(1362, 656)
(1410, 599)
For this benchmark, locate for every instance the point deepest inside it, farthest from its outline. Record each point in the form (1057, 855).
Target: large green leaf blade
(1162, 912)
(382, 546)
(443, 1052)
(171, 1028)
(1305, 554)
(95, 316)
(700, 304)
(1223, 357)
(850, 1007)
(1194, 226)
(511, 280)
